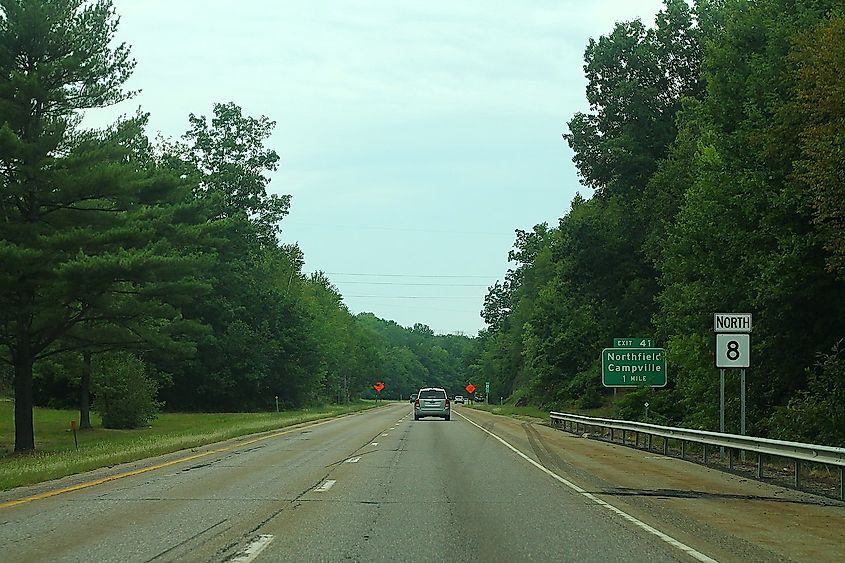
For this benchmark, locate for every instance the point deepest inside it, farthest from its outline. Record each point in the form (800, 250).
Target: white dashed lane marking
(252, 551)
(325, 485)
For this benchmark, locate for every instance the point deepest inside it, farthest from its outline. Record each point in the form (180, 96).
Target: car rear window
(432, 394)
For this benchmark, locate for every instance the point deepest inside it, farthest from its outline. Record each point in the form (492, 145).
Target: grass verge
(56, 455)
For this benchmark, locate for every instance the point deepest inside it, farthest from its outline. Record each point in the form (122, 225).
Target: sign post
(73, 428)
(742, 402)
(722, 408)
(733, 350)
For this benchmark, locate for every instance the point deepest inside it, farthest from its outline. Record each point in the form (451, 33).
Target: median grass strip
(56, 456)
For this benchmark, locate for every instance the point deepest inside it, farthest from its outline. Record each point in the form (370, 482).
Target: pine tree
(92, 234)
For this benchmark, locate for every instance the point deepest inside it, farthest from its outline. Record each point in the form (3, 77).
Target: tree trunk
(85, 392)
(24, 431)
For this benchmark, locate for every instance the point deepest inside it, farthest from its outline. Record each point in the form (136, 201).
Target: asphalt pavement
(374, 486)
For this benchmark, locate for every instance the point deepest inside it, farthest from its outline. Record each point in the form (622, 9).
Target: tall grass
(56, 455)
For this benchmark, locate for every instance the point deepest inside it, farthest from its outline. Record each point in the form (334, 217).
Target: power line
(426, 284)
(403, 306)
(336, 226)
(407, 275)
(406, 297)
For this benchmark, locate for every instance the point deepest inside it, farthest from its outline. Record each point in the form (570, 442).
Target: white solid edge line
(253, 549)
(640, 524)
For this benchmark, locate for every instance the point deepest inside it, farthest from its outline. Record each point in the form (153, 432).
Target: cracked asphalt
(379, 486)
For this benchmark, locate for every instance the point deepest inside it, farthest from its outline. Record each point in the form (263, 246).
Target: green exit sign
(633, 367)
(633, 342)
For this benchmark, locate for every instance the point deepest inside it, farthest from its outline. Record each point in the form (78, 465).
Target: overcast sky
(414, 137)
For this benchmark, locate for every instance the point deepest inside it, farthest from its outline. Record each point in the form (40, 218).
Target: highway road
(379, 486)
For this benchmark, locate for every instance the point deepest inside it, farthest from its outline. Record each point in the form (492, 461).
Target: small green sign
(633, 342)
(633, 367)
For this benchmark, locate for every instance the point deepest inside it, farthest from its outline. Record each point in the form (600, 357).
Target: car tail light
(417, 403)
(447, 403)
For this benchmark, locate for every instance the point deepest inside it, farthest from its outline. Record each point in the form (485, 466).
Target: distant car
(432, 401)
(459, 400)
(413, 397)
(479, 398)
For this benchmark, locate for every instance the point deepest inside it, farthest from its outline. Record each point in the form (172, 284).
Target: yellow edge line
(96, 482)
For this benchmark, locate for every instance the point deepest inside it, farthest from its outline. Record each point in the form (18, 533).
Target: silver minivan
(432, 401)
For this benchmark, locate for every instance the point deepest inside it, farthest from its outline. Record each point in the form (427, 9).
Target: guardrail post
(643, 434)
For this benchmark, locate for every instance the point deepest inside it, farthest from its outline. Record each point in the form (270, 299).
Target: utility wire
(335, 226)
(400, 283)
(406, 275)
(406, 297)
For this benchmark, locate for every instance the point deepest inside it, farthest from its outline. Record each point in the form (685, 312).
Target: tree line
(141, 273)
(713, 146)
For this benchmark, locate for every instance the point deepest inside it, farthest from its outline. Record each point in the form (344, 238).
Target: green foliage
(713, 146)
(230, 161)
(815, 414)
(662, 406)
(83, 212)
(407, 359)
(818, 110)
(125, 394)
(713, 143)
(636, 77)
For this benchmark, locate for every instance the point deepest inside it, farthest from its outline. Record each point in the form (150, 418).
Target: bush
(816, 414)
(124, 395)
(586, 389)
(662, 406)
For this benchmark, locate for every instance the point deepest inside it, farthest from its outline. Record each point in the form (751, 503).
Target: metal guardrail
(796, 451)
